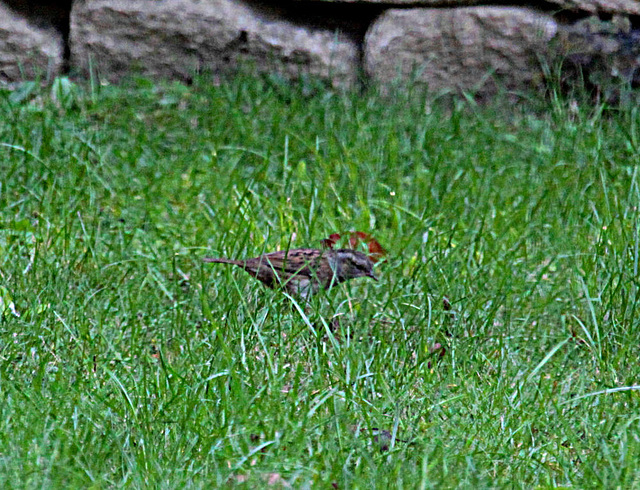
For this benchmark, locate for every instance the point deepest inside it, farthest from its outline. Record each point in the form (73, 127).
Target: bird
(304, 271)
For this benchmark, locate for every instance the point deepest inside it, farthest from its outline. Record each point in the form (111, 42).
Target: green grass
(134, 364)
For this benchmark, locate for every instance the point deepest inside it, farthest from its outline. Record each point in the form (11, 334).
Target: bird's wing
(296, 261)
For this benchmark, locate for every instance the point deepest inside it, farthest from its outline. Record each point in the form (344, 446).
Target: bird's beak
(372, 276)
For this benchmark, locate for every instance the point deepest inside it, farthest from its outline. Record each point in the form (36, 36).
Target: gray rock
(591, 6)
(174, 38)
(479, 48)
(27, 51)
(594, 6)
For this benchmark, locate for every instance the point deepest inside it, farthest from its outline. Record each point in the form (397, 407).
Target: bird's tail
(223, 261)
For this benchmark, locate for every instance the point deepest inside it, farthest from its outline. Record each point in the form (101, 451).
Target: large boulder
(174, 38)
(629, 7)
(27, 50)
(470, 48)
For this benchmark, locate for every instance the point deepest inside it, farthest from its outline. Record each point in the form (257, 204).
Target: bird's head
(354, 264)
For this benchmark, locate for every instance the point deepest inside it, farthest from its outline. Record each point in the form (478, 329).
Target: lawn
(499, 348)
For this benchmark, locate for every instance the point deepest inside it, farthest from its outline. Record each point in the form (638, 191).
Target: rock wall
(445, 44)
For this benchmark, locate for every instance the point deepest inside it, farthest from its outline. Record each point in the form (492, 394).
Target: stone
(468, 48)
(629, 7)
(175, 38)
(28, 51)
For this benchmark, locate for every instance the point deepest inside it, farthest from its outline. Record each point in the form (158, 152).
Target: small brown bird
(303, 271)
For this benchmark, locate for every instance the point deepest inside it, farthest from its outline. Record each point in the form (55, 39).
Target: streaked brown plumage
(304, 271)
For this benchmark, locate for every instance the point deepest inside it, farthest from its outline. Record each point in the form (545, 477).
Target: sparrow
(304, 271)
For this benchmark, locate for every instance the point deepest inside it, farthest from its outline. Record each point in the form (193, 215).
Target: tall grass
(126, 361)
